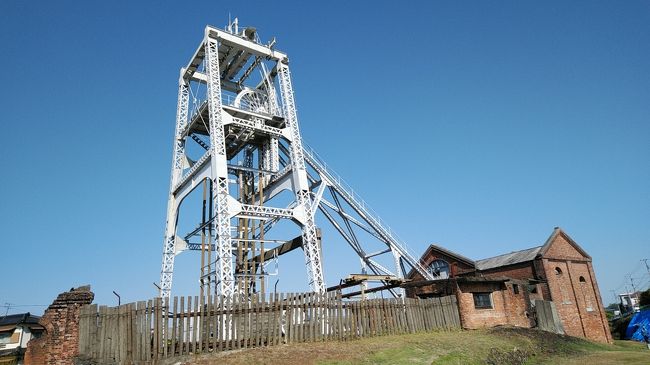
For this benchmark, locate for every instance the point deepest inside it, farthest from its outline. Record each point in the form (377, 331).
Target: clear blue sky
(479, 126)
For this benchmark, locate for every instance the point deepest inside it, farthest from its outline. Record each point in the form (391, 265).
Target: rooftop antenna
(231, 24)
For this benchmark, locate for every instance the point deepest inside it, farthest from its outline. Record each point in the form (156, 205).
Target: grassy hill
(505, 345)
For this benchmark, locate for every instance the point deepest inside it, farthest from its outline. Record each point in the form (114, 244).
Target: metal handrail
(345, 188)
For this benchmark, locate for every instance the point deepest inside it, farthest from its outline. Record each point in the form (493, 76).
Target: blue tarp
(640, 321)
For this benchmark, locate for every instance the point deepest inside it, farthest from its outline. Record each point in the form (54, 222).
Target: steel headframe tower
(238, 118)
(239, 138)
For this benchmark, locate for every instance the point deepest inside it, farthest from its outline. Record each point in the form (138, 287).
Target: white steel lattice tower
(237, 135)
(238, 116)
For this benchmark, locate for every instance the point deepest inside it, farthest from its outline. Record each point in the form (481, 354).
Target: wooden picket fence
(147, 332)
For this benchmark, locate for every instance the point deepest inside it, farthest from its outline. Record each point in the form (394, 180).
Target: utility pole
(8, 305)
(632, 283)
(617, 301)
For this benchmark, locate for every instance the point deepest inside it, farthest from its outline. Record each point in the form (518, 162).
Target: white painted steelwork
(225, 63)
(245, 121)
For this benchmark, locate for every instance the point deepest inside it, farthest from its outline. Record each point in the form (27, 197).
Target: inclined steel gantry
(245, 124)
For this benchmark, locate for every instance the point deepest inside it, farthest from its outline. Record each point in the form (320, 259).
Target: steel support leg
(224, 267)
(169, 249)
(303, 197)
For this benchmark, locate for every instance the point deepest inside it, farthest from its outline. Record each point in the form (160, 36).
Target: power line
(628, 276)
(9, 305)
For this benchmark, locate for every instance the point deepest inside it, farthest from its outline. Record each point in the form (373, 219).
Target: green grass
(503, 346)
(498, 346)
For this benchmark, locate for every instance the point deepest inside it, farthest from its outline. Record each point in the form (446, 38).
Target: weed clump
(515, 356)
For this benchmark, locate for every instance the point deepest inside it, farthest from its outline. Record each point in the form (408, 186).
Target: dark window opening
(558, 271)
(515, 288)
(5, 337)
(582, 279)
(482, 300)
(439, 269)
(428, 295)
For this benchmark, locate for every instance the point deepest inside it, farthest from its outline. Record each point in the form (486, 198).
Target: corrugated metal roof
(508, 259)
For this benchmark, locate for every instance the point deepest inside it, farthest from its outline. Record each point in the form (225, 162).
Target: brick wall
(517, 304)
(572, 286)
(60, 342)
(508, 308)
(541, 275)
(563, 295)
(529, 270)
(578, 303)
(561, 248)
(537, 292)
(603, 317)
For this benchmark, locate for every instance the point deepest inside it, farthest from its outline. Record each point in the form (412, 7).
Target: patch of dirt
(294, 354)
(541, 342)
(501, 357)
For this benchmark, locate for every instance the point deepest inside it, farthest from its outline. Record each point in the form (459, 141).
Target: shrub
(644, 298)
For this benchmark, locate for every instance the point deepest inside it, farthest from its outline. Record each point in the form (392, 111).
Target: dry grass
(492, 346)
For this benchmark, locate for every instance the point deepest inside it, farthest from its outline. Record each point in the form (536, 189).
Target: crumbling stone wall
(60, 342)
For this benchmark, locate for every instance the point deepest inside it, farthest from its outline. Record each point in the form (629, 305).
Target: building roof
(443, 251)
(511, 258)
(480, 279)
(22, 318)
(449, 253)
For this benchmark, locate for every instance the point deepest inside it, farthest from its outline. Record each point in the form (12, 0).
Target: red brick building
(559, 271)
